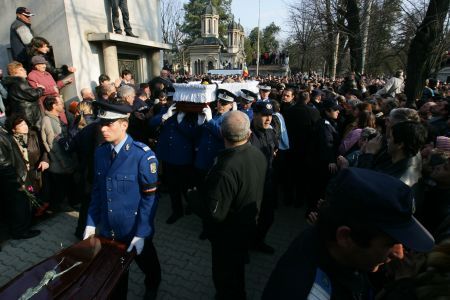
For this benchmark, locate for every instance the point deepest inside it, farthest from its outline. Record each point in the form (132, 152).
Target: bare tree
(365, 17)
(316, 27)
(172, 14)
(421, 56)
(304, 27)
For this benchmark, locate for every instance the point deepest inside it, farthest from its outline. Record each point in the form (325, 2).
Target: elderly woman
(40, 77)
(21, 151)
(33, 155)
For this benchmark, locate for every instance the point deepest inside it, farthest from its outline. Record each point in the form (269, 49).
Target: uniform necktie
(113, 155)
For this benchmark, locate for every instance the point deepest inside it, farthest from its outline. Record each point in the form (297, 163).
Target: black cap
(248, 96)
(225, 95)
(316, 93)
(24, 11)
(329, 103)
(112, 111)
(381, 200)
(263, 107)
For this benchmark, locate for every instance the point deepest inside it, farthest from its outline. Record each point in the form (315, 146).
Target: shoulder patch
(321, 289)
(142, 146)
(153, 168)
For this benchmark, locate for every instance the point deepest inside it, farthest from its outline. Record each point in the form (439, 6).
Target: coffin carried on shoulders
(193, 97)
(89, 269)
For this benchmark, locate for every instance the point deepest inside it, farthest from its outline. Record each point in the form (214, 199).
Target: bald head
(235, 127)
(87, 94)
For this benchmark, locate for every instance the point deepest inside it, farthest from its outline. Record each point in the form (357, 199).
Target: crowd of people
(272, 58)
(348, 149)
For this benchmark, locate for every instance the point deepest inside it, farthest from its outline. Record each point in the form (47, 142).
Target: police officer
(264, 138)
(364, 223)
(211, 141)
(123, 200)
(246, 100)
(264, 92)
(175, 149)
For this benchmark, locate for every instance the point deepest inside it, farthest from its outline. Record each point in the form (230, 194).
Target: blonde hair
(84, 108)
(13, 67)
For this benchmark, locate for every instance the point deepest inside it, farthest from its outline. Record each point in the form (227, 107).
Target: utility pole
(257, 44)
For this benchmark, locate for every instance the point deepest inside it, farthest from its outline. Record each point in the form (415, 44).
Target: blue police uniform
(175, 143)
(175, 149)
(123, 201)
(248, 112)
(210, 143)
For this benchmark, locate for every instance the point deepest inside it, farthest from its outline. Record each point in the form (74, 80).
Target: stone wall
(66, 24)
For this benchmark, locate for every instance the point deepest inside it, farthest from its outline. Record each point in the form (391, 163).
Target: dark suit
(122, 4)
(301, 122)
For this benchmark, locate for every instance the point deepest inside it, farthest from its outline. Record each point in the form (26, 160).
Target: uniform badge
(127, 147)
(153, 167)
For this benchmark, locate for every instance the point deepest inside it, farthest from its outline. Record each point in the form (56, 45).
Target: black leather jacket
(23, 99)
(13, 171)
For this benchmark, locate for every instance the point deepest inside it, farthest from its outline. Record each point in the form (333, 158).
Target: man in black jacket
(22, 98)
(232, 194)
(301, 122)
(264, 138)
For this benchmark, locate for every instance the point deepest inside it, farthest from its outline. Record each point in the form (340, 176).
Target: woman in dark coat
(34, 157)
(41, 47)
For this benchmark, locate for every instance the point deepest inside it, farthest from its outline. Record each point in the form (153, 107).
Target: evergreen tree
(267, 38)
(194, 10)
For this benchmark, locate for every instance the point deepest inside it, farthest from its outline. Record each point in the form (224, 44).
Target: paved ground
(185, 260)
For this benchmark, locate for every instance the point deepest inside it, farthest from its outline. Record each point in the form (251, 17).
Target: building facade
(80, 33)
(209, 52)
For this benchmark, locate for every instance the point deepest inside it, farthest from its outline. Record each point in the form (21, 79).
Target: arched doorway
(210, 65)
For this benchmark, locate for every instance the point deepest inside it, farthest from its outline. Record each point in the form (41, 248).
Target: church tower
(210, 22)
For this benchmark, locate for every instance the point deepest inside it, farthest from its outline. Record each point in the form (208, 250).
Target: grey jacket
(52, 130)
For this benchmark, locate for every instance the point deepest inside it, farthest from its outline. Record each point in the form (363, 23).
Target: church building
(209, 52)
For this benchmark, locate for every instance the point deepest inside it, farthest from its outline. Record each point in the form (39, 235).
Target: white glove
(234, 106)
(201, 119)
(137, 243)
(208, 113)
(88, 231)
(180, 116)
(169, 112)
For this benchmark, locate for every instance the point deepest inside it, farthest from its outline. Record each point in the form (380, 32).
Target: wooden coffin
(103, 262)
